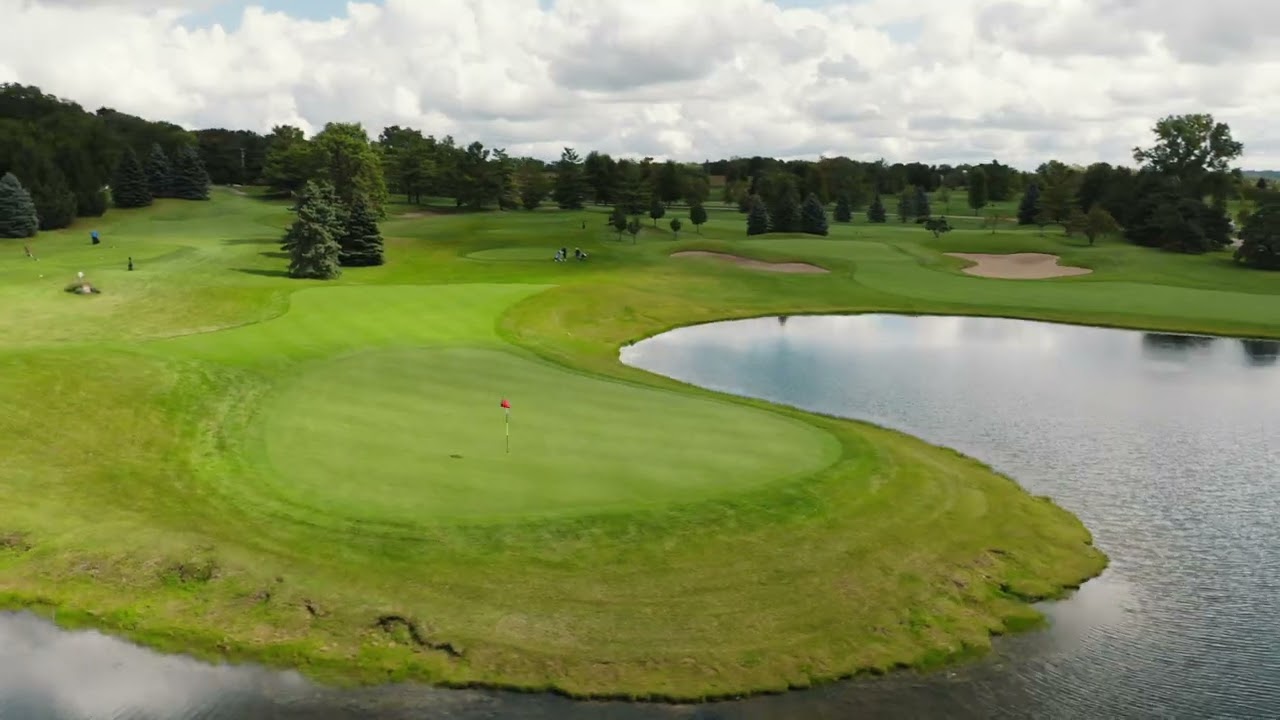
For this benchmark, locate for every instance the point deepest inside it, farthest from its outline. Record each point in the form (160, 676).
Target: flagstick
(508, 424)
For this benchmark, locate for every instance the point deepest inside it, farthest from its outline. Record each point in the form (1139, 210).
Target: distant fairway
(212, 458)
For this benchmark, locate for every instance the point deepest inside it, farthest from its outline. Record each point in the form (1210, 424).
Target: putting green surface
(407, 435)
(214, 459)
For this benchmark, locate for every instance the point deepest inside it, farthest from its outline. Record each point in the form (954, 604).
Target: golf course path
(790, 267)
(1018, 266)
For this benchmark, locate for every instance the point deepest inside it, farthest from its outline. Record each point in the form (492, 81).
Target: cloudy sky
(934, 80)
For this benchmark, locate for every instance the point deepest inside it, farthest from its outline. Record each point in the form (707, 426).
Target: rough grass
(211, 458)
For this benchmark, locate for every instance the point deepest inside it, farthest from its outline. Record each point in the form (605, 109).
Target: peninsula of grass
(211, 458)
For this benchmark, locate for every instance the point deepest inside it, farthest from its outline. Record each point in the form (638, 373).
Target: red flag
(505, 405)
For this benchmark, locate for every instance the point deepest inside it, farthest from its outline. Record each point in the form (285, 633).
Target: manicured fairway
(212, 458)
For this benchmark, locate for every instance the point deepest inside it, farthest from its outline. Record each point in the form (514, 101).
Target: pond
(1166, 446)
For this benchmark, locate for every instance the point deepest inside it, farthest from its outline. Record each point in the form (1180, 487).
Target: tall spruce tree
(876, 213)
(784, 215)
(813, 217)
(907, 204)
(922, 207)
(312, 240)
(159, 173)
(1030, 205)
(757, 217)
(361, 241)
(571, 185)
(130, 188)
(978, 197)
(844, 209)
(18, 217)
(190, 180)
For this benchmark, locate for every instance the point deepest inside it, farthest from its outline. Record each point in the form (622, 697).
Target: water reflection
(1171, 344)
(1164, 445)
(1261, 352)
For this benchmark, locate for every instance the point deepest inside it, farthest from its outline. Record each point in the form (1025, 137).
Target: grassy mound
(215, 459)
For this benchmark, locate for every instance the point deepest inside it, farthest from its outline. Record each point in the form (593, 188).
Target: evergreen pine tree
(159, 173)
(813, 217)
(907, 204)
(361, 241)
(844, 209)
(785, 215)
(130, 188)
(922, 208)
(876, 212)
(1030, 205)
(18, 217)
(757, 217)
(698, 216)
(190, 180)
(570, 186)
(977, 190)
(312, 240)
(54, 200)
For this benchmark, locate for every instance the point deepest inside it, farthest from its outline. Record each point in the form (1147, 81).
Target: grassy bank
(212, 458)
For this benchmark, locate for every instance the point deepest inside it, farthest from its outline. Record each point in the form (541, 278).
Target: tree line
(1175, 196)
(61, 162)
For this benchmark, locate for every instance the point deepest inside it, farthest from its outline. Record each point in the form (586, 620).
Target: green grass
(212, 458)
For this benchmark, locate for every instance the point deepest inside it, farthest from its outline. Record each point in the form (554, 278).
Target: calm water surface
(1168, 447)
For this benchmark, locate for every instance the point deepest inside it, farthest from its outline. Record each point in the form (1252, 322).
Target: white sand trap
(791, 267)
(1018, 266)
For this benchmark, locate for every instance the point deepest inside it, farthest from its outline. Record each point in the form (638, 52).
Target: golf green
(415, 434)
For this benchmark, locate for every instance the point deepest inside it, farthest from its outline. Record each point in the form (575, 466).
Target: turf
(212, 458)
(421, 430)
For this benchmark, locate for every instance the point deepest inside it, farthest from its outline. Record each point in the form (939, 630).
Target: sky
(1021, 81)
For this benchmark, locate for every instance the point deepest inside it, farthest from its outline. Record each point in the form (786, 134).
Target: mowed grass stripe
(417, 435)
(324, 321)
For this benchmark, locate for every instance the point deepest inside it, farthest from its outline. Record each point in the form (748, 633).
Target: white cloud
(934, 80)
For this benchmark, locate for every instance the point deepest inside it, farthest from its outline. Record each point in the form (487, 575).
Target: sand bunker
(1018, 266)
(791, 267)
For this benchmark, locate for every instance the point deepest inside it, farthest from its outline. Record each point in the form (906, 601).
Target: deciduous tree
(656, 209)
(698, 216)
(938, 226)
(618, 220)
(533, 184)
(634, 227)
(1191, 148)
(351, 164)
(675, 227)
